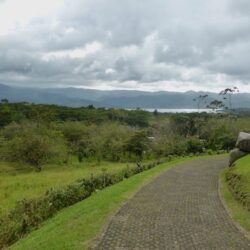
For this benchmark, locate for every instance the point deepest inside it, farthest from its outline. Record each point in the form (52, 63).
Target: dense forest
(40, 134)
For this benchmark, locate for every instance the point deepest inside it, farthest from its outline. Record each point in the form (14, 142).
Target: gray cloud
(240, 7)
(145, 42)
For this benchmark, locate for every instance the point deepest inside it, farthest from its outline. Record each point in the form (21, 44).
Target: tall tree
(215, 104)
(227, 93)
(201, 99)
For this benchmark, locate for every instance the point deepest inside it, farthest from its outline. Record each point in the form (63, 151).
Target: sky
(172, 45)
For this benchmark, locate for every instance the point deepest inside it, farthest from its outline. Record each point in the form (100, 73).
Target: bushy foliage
(14, 112)
(32, 144)
(29, 214)
(105, 141)
(6, 115)
(237, 178)
(41, 134)
(184, 125)
(195, 145)
(221, 137)
(138, 144)
(110, 134)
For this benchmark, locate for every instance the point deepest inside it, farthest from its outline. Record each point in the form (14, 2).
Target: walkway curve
(180, 209)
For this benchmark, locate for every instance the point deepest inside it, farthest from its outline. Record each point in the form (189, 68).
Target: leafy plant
(33, 145)
(29, 214)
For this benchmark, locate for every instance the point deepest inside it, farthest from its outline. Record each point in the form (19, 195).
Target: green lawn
(17, 182)
(74, 227)
(235, 189)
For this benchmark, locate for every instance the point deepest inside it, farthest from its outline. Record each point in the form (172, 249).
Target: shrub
(221, 138)
(6, 115)
(179, 148)
(138, 144)
(33, 145)
(235, 183)
(195, 145)
(29, 214)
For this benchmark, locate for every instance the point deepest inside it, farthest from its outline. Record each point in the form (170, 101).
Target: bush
(236, 185)
(33, 145)
(195, 145)
(6, 115)
(138, 144)
(85, 142)
(29, 214)
(221, 138)
(179, 148)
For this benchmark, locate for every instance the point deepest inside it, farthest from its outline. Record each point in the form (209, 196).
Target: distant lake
(180, 110)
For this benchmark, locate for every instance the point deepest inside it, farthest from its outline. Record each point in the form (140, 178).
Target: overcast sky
(126, 44)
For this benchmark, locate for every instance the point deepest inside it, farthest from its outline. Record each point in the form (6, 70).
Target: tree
(5, 115)
(138, 118)
(5, 101)
(156, 112)
(227, 93)
(184, 125)
(201, 99)
(34, 145)
(215, 104)
(138, 144)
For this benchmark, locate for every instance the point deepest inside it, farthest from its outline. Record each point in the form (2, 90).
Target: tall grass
(238, 179)
(16, 182)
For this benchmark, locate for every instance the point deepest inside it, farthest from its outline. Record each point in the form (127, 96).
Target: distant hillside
(43, 96)
(76, 97)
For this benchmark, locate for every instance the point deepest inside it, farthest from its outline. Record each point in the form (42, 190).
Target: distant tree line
(40, 134)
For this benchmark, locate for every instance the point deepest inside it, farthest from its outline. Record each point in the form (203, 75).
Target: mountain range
(76, 97)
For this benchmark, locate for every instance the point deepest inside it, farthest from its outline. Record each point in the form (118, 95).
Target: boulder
(235, 155)
(243, 142)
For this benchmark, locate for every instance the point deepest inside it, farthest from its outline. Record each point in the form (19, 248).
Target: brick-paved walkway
(180, 209)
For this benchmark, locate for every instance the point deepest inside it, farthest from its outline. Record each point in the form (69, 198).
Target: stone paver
(180, 209)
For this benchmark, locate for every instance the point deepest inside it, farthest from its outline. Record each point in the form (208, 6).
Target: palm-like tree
(227, 93)
(201, 99)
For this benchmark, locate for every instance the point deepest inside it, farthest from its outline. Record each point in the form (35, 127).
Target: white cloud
(110, 71)
(146, 45)
(16, 14)
(78, 53)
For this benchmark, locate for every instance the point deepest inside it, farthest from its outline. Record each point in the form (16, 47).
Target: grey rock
(243, 142)
(235, 154)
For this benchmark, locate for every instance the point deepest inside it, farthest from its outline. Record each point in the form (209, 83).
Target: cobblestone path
(180, 209)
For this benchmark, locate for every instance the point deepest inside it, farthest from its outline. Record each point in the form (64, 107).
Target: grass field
(233, 195)
(17, 182)
(74, 227)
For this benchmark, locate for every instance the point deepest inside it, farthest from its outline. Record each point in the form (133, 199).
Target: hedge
(28, 214)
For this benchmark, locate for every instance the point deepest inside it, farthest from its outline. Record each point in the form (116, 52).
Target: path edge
(228, 210)
(95, 241)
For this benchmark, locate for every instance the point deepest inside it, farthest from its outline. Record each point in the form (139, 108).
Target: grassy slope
(73, 227)
(241, 185)
(16, 184)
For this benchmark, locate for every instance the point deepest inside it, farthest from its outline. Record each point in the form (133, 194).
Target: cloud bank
(109, 44)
